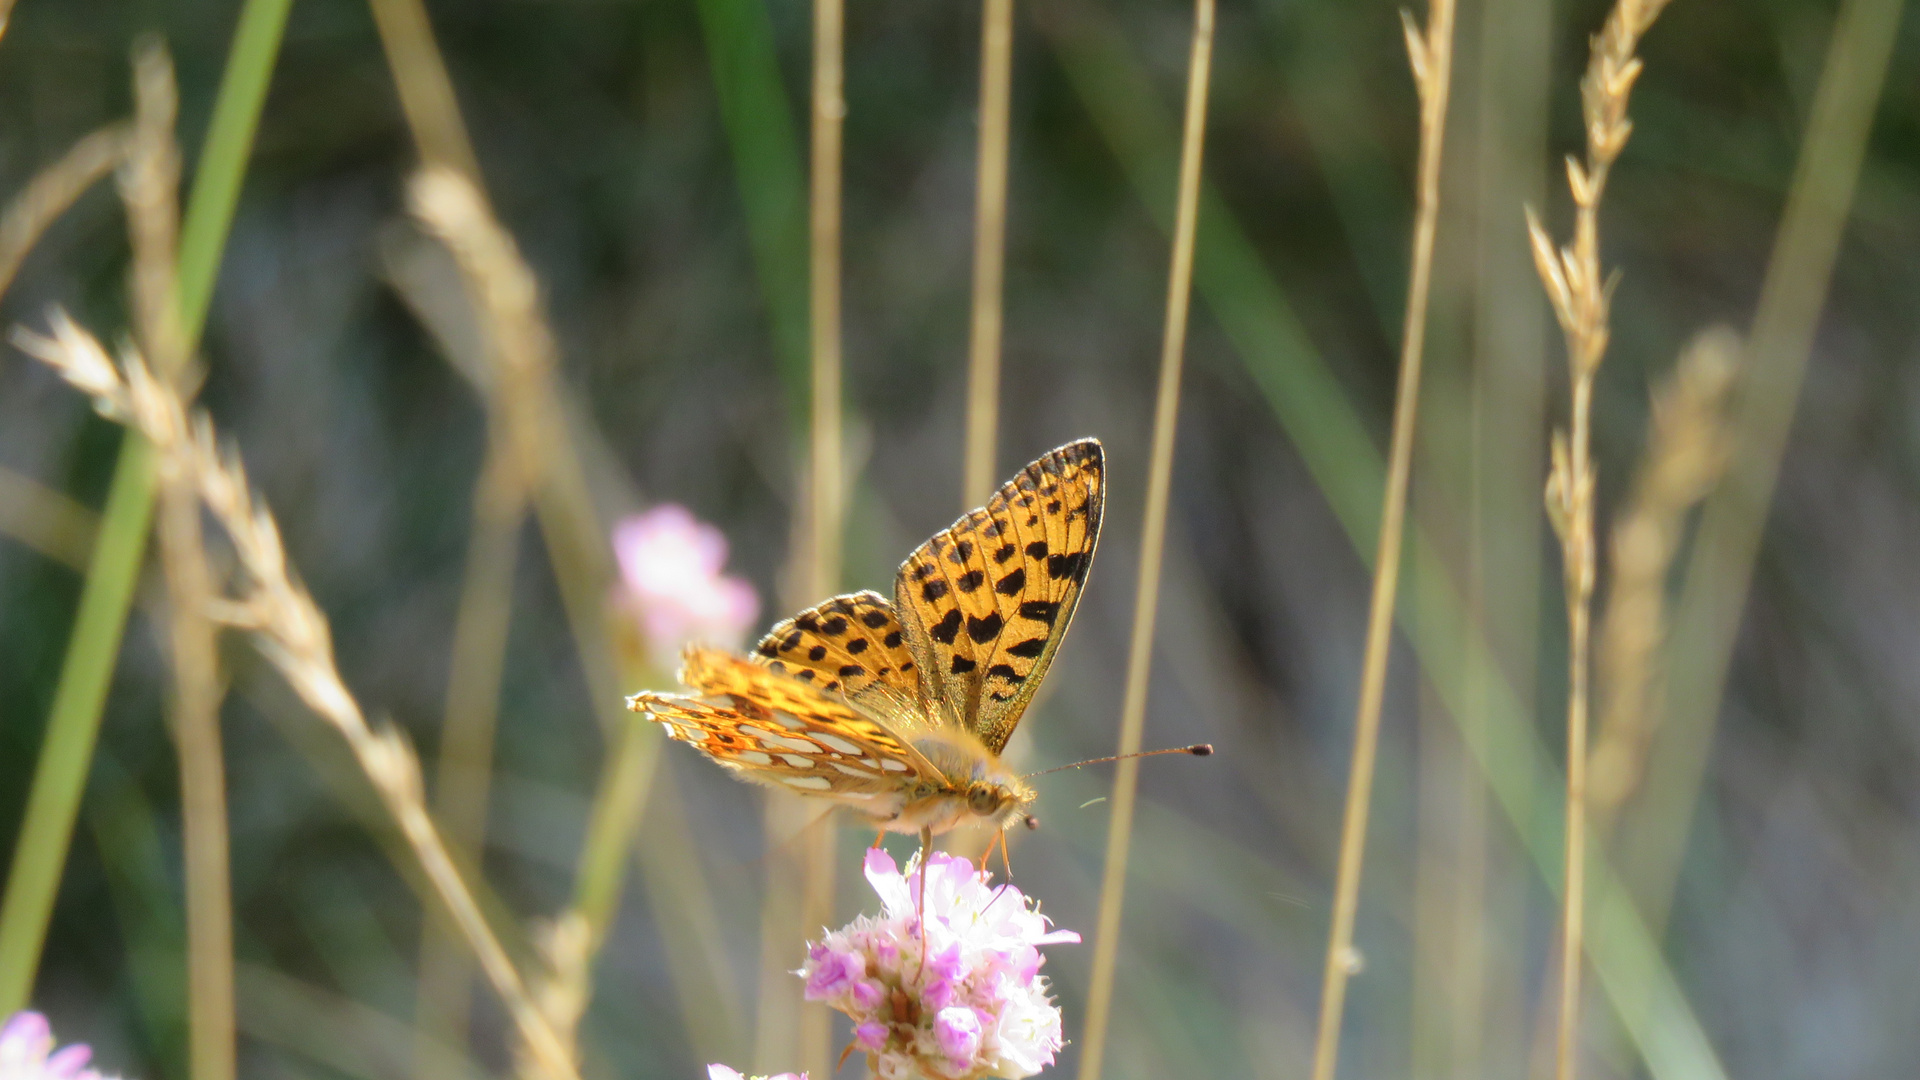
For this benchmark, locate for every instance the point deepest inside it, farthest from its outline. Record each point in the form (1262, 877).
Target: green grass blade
(766, 162)
(40, 854)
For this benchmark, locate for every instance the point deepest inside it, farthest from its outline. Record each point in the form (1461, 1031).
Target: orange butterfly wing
(986, 602)
(778, 730)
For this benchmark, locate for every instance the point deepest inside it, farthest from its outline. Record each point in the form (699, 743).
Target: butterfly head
(999, 800)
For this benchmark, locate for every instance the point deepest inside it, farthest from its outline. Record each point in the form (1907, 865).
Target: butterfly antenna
(1197, 750)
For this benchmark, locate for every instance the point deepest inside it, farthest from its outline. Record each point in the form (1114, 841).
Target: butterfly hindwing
(778, 730)
(986, 602)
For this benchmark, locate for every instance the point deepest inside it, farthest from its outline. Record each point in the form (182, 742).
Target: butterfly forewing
(986, 602)
(778, 730)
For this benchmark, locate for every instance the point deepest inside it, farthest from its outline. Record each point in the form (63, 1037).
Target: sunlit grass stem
(1153, 534)
(989, 250)
(1431, 55)
(826, 484)
(1581, 297)
(150, 188)
(73, 723)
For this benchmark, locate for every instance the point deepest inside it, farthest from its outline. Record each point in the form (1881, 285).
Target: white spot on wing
(797, 761)
(801, 745)
(754, 757)
(787, 719)
(811, 783)
(894, 765)
(865, 774)
(837, 743)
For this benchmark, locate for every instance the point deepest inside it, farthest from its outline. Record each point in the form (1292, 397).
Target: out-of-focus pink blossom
(721, 1072)
(969, 1004)
(27, 1052)
(670, 567)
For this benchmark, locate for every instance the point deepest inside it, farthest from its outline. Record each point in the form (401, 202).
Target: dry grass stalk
(826, 484)
(1687, 452)
(52, 192)
(1580, 298)
(149, 186)
(523, 434)
(1153, 535)
(989, 250)
(293, 634)
(1430, 53)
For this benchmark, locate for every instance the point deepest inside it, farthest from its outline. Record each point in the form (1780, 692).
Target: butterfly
(901, 709)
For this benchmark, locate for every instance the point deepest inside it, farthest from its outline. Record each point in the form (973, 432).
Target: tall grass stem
(826, 484)
(1153, 534)
(1431, 55)
(150, 189)
(989, 251)
(1581, 296)
(73, 724)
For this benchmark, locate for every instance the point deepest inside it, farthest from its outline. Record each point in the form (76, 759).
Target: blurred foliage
(626, 171)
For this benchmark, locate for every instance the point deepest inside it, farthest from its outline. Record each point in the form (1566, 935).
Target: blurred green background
(658, 195)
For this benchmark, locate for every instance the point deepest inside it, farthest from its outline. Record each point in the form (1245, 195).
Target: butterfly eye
(984, 800)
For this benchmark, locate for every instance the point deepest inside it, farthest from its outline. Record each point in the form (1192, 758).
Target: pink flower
(670, 565)
(721, 1072)
(962, 1001)
(27, 1052)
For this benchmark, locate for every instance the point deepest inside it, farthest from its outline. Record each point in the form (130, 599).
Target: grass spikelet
(1687, 452)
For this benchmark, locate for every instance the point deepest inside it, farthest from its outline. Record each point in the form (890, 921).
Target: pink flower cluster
(973, 1004)
(670, 563)
(27, 1052)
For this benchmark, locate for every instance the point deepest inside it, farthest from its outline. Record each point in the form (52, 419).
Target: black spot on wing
(1029, 648)
(945, 630)
(874, 619)
(1012, 583)
(933, 590)
(962, 665)
(970, 581)
(984, 630)
(1040, 611)
(857, 646)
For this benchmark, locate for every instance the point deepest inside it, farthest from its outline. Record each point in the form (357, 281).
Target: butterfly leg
(920, 904)
(1006, 856)
(879, 836)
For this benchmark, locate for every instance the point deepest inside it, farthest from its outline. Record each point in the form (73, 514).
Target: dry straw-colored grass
(1687, 451)
(150, 188)
(1430, 52)
(989, 251)
(290, 630)
(1153, 535)
(1581, 295)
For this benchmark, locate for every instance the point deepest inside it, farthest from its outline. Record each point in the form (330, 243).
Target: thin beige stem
(464, 770)
(49, 521)
(150, 188)
(51, 192)
(826, 483)
(1431, 55)
(1153, 533)
(989, 250)
(426, 93)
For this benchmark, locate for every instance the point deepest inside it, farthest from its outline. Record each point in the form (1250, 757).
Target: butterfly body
(900, 709)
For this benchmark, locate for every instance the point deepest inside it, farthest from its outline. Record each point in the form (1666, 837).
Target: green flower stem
(80, 697)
